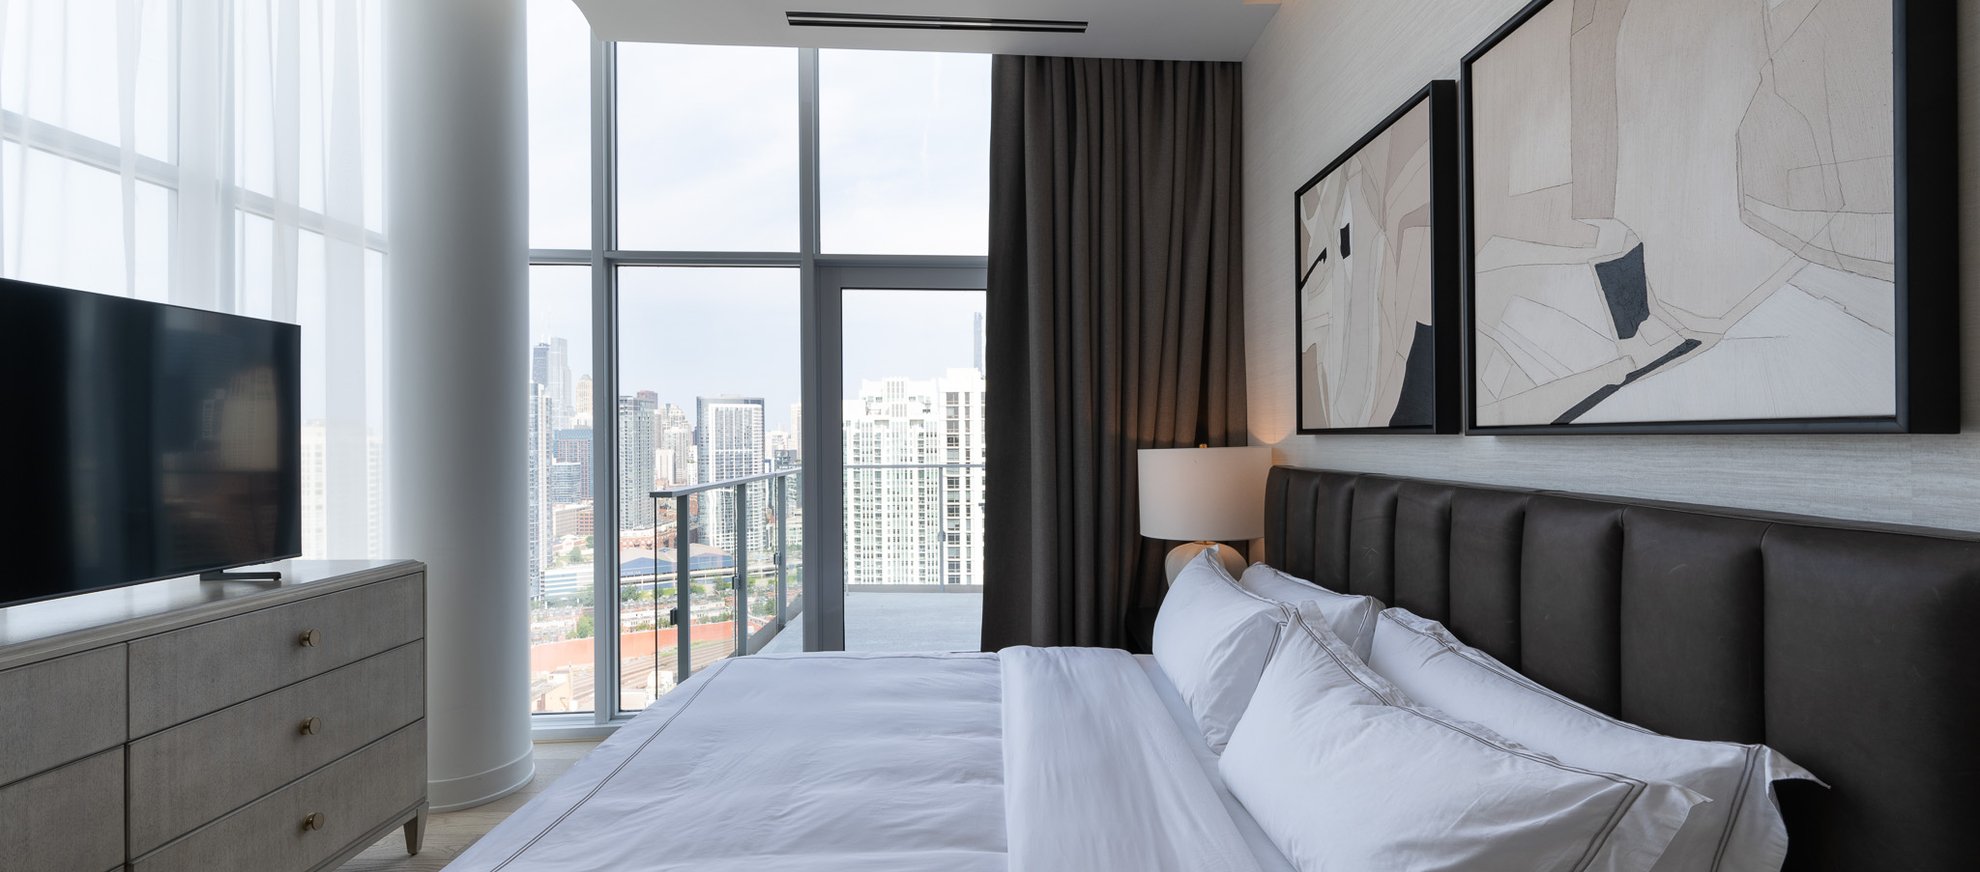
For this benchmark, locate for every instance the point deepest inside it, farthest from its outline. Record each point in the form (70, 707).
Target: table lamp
(1202, 496)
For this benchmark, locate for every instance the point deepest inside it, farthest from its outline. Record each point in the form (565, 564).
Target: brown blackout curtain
(1115, 323)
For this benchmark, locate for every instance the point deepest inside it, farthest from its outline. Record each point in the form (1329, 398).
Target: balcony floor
(880, 621)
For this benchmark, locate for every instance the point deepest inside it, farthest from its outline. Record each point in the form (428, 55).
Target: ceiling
(1165, 29)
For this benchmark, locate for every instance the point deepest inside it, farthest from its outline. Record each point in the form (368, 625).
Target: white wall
(1327, 70)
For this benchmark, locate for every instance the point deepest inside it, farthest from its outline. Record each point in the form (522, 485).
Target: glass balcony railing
(726, 583)
(914, 543)
(914, 554)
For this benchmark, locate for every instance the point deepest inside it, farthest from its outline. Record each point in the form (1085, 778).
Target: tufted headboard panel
(1854, 649)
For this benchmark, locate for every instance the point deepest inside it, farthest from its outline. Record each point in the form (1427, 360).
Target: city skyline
(913, 398)
(888, 333)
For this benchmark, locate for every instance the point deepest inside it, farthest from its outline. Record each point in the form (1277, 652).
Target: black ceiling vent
(934, 22)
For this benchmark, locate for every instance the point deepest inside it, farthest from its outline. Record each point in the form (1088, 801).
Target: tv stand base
(269, 575)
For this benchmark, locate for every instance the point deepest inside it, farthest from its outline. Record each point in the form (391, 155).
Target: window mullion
(824, 576)
(605, 384)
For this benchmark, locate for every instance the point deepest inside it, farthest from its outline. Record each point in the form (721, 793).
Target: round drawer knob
(309, 638)
(313, 822)
(311, 726)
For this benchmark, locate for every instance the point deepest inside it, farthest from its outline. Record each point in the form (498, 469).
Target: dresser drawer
(199, 770)
(71, 818)
(77, 710)
(270, 835)
(181, 675)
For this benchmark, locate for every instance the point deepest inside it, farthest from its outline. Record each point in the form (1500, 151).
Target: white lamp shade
(1204, 494)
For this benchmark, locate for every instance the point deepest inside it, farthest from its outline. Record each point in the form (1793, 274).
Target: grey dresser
(187, 726)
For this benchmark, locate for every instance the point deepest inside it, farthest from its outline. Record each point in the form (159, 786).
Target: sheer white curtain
(225, 155)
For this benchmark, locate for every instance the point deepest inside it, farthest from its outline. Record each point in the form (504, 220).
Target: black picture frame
(1926, 304)
(1446, 267)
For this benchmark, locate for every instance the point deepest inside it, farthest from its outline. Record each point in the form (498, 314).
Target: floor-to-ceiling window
(221, 156)
(723, 239)
(561, 360)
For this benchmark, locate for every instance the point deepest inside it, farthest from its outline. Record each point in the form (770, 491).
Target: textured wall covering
(1323, 73)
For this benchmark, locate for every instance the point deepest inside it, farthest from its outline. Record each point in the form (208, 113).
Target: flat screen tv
(143, 441)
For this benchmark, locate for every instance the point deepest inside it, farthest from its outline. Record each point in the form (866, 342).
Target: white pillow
(1739, 831)
(1212, 639)
(1345, 774)
(1351, 617)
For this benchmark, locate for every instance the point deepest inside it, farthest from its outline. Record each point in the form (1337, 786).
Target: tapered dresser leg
(416, 831)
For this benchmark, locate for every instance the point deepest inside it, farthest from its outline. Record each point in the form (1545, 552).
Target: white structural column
(457, 219)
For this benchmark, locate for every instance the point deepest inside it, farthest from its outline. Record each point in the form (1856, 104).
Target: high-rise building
(781, 448)
(797, 430)
(728, 445)
(316, 522)
(570, 521)
(961, 391)
(676, 439)
(567, 482)
(636, 478)
(581, 403)
(908, 525)
(573, 446)
(315, 470)
(561, 407)
(539, 485)
(550, 366)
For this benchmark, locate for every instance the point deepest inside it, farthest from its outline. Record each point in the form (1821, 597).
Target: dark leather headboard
(1854, 650)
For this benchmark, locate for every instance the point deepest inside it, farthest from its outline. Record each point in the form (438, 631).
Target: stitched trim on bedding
(1738, 804)
(1492, 665)
(1636, 787)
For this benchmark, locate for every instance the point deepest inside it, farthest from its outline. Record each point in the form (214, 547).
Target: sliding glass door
(898, 477)
(913, 388)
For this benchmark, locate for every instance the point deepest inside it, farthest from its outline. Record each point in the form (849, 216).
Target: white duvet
(1036, 759)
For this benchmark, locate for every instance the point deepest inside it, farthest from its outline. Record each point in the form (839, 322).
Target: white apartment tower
(676, 445)
(961, 392)
(316, 522)
(729, 444)
(636, 473)
(581, 402)
(922, 524)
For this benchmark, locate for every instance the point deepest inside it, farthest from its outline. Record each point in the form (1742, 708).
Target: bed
(899, 763)
(1844, 646)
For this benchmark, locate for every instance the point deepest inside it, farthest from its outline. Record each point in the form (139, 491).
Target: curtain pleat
(1115, 313)
(130, 30)
(203, 219)
(283, 43)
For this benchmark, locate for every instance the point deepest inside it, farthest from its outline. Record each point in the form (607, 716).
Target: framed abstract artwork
(1377, 270)
(1713, 216)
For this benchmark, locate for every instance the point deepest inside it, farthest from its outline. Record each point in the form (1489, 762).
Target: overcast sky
(708, 161)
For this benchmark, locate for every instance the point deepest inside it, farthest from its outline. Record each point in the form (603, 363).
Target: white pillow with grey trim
(1345, 773)
(1351, 617)
(1741, 830)
(1212, 639)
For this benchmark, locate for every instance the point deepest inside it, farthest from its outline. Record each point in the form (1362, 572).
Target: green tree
(584, 627)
